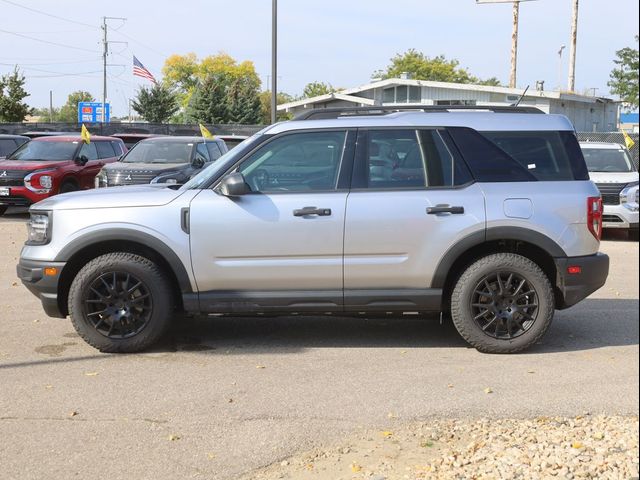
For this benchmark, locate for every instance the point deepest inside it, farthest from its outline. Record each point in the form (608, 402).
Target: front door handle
(445, 209)
(303, 212)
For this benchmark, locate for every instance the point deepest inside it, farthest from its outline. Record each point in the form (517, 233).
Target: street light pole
(514, 45)
(274, 60)
(572, 48)
(562, 47)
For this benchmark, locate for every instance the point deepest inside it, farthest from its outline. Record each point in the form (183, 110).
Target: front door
(280, 246)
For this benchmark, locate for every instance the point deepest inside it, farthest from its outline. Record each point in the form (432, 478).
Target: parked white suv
(611, 169)
(488, 216)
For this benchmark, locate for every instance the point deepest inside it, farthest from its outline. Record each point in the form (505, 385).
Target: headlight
(39, 181)
(39, 228)
(629, 196)
(170, 178)
(101, 179)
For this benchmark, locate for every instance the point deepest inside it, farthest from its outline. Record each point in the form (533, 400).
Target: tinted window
(105, 150)
(542, 153)
(45, 150)
(117, 147)
(7, 145)
(488, 162)
(298, 162)
(202, 153)
(214, 151)
(89, 151)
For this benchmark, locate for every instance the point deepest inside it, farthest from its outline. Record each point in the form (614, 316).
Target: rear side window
(487, 161)
(105, 150)
(547, 155)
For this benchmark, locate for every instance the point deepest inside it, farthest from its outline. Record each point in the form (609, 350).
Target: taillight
(594, 216)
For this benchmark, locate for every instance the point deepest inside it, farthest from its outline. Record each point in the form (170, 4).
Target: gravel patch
(584, 447)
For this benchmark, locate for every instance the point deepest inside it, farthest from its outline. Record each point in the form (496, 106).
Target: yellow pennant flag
(628, 141)
(205, 133)
(85, 135)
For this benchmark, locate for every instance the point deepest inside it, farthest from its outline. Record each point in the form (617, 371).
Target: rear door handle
(305, 211)
(445, 209)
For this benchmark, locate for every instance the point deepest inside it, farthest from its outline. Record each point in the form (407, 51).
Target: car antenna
(521, 97)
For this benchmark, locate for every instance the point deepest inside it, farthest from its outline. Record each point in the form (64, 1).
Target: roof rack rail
(328, 113)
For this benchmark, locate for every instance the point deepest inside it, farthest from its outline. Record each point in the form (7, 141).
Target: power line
(46, 41)
(21, 64)
(157, 52)
(48, 14)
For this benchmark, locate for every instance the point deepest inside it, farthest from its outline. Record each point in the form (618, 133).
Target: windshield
(159, 152)
(224, 162)
(606, 159)
(35, 150)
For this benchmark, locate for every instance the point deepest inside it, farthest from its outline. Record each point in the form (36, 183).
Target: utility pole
(572, 47)
(514, 35)
(274, 61)
(105, 53)
(50, 106)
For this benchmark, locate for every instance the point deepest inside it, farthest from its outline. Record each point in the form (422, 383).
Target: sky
(341, 42)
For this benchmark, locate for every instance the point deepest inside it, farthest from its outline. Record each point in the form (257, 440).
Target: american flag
(139, 70)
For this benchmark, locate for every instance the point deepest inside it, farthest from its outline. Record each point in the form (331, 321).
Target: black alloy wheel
(504, 305)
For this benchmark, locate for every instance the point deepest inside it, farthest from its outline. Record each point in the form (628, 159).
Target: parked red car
(46, 166)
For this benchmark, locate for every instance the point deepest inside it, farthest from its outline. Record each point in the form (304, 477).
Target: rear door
(412, 199)
(279, 247)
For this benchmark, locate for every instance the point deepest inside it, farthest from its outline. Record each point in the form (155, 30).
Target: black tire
(135, 318)
(3, 209)
(529, 322)
(67, 187)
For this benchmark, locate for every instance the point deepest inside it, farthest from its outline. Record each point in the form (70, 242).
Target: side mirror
(197, 163)
(82, 159)
(234, 185)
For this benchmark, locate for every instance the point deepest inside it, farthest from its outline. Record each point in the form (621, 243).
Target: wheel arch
(530, 244)
(83, 249)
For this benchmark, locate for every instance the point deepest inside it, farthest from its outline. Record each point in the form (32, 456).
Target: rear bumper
(573, 288)
(31, 272)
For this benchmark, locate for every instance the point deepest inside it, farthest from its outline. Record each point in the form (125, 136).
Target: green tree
(315, 89)
(208, 104)
(624, 77)
(422, 67)
(12, 94)
(69, 111)
(244, 102)
(265, 104)
(156, 104)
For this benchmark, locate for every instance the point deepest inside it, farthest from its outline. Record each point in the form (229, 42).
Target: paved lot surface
(220, 398)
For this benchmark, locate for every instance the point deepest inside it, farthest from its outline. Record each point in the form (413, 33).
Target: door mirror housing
(198, 163)
(234, 185)
(82, 160)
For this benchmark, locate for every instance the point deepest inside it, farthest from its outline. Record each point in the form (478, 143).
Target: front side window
(7, 145)
(298, 162)
(89, 150)
(214, 150)
(105, 150)
(202, 153)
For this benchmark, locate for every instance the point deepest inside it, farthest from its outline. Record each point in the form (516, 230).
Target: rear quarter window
(547, 155)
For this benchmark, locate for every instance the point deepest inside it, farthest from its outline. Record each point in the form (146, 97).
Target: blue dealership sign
(91, 112)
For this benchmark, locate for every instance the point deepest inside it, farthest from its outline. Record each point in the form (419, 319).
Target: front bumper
(22, 197)
(573, 288)
(619, 216)
(45, 287)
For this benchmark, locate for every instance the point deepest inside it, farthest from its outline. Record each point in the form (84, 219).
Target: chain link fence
(612, 137)
(111, 128)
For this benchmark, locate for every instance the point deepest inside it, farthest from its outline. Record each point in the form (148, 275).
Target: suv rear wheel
(502, 303)
(120, 302)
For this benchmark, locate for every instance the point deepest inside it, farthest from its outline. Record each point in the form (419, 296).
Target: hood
(614, 177)
(32, 164)
(155, 167)
(112, 197)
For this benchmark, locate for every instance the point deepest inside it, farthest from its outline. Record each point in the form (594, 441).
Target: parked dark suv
(171, 160)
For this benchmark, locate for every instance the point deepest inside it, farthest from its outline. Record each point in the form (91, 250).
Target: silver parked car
(486, 216)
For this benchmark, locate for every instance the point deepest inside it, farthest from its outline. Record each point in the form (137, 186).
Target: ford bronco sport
(486, 216)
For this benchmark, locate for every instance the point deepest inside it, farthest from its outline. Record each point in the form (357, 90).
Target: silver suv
(486, 216)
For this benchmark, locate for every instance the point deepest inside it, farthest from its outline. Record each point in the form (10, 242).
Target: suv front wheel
(120, 302)
(502, 303)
